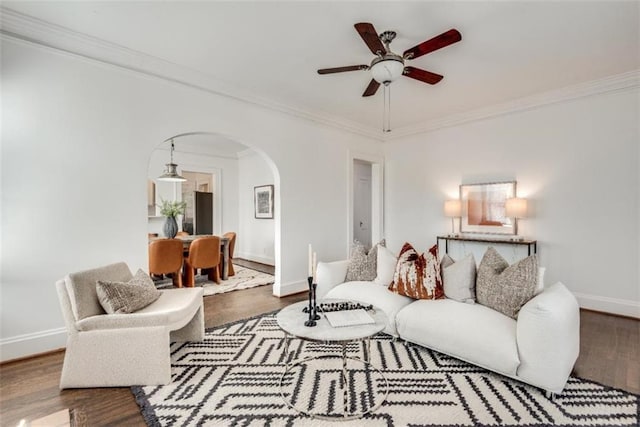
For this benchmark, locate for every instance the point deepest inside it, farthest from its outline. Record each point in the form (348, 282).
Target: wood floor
(610, 354)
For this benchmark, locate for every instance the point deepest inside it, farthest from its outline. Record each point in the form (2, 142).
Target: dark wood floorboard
(610, 354)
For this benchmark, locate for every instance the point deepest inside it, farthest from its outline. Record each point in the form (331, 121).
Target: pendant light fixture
(170, 174)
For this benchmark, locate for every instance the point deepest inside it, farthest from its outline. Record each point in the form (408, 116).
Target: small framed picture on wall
(263, 201)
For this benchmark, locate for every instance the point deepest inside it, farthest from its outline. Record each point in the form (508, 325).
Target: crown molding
(618, 82)
(14, 25)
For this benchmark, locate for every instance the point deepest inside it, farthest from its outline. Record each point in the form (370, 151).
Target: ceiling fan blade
(422, 75)
(438, 42)
(372, 88)
(370, 37)
(343, 69)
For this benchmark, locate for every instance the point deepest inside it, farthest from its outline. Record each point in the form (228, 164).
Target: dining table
(224, 249)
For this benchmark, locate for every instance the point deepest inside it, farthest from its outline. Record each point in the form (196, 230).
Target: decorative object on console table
(263, 201)
(483, 208)
(516, 208)
(452, 209)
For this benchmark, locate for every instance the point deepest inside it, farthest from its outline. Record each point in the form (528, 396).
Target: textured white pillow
(459, 278)
(386, 266)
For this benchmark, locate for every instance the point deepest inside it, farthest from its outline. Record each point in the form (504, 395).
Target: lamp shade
(171, 174)
(452, 208)
(516, 208)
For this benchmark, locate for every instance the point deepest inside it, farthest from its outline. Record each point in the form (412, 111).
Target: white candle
(314, 267)
(310, 263)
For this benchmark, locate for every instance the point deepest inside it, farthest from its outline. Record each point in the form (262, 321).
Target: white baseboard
(609, 305)
(255, 258)
(34, 343)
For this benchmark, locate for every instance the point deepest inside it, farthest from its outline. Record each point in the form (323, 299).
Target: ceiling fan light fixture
(387, 69)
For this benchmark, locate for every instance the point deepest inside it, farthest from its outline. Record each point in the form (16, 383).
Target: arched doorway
(229, 171)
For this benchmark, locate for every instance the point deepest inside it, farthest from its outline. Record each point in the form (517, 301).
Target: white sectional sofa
(539, 348)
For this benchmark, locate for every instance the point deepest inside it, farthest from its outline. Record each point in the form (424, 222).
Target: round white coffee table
(291, 320)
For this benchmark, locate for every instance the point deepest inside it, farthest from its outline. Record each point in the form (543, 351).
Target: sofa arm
(330, 274)
(548, 337)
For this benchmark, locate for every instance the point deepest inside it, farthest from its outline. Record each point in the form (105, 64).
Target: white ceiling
(509, 50)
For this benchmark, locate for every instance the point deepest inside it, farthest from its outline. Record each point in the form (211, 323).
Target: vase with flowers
(171, 209)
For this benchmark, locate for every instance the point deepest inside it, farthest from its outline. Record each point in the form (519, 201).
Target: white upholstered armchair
(109, 350)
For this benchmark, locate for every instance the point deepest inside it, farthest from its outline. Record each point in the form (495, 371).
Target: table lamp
(516, 208)
(452, 209)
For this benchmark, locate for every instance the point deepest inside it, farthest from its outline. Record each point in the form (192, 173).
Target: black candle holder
(312, 309)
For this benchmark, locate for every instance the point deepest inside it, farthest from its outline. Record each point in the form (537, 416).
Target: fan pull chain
(386, 115)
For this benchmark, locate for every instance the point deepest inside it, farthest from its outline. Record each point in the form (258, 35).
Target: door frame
(377, 196)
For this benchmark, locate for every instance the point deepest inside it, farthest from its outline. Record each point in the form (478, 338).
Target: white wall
(576, 162)
(77, 136)
(256, 237)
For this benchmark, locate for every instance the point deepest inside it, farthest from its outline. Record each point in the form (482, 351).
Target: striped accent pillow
(417, 276)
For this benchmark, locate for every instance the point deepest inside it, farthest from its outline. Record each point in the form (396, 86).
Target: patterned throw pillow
(506, 288)
(362, 264)
(127, 297)
(417, 276)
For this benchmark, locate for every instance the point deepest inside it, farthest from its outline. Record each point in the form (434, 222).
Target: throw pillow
(459, 278)
(506, 288)
(362, 264)
(127, 297)
(386, 266)
(417, 276)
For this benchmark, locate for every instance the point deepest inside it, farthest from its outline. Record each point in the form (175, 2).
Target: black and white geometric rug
(232, 379)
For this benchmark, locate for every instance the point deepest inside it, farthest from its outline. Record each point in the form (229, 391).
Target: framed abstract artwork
(484, 208)
(263, 201)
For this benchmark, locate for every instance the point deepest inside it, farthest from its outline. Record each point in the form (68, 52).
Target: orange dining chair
(204, 253)
(232, 244)
(165, 257)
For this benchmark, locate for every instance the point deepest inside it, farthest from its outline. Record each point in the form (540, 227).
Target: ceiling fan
(387, 66)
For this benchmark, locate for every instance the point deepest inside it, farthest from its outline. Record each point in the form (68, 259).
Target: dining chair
(232, 244)
(204, 253)
(165, 257)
